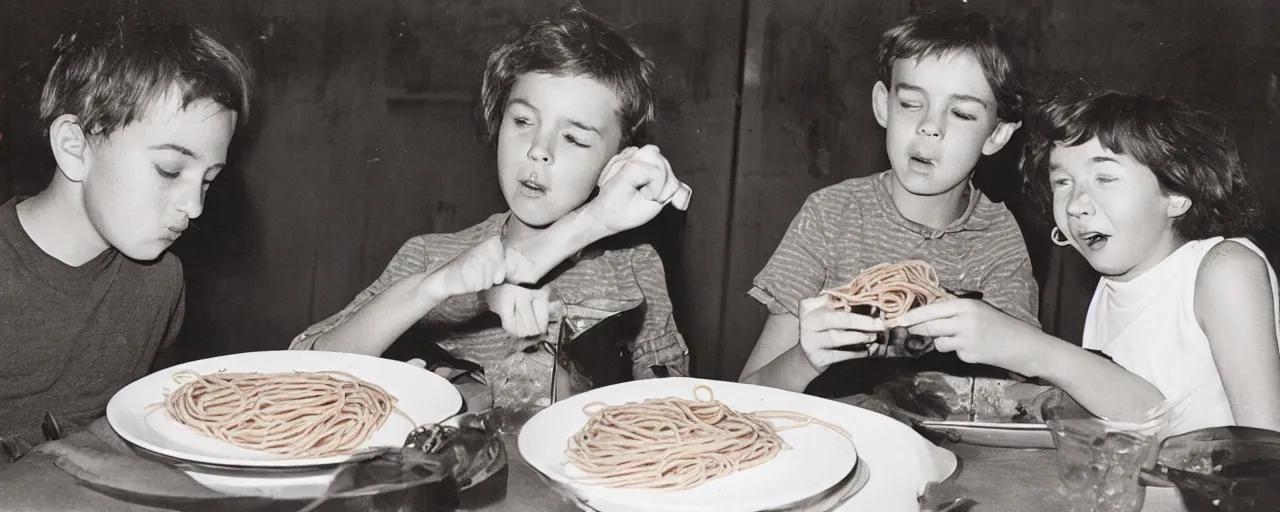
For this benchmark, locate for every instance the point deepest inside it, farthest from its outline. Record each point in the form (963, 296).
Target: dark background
(364, 131)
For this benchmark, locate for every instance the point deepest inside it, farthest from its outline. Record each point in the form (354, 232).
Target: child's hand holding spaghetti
(824, 331)
(977, 332)
(880, 293)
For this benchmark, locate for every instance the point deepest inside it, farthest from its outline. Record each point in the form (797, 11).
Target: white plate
(818, 459)
(422, 395)
(903, 461)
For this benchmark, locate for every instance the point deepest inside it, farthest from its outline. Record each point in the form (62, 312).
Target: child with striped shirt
(948, 94)
(561, 99)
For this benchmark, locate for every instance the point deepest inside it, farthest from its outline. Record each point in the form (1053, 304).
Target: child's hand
(974, 330)
(524, 311)
(634, 186)
(475, 270)
(823, 330)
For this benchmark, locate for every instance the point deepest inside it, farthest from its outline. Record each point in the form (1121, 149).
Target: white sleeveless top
(1148, 325)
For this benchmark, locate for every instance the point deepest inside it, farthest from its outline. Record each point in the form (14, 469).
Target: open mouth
(532, 188)
(921, 160)
(1093, 239)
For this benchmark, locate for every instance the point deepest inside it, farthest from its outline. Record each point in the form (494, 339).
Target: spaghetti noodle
(890, 289)
(304, 414)
(675, 444)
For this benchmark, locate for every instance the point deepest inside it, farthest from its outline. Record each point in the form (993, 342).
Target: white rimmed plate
(422, 395)
(818, 459)
(904, 462)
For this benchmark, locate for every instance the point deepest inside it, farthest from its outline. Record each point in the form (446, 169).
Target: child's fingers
(508, 316)
(523, 318)
(839, 339)
(935, 311)
(615, 164)
(949, 326)
(541, 314)
(649, 173)
(497, 274)
(830, 319)
(520, 269)
(810, 304)
(681, 198)
(946, 344)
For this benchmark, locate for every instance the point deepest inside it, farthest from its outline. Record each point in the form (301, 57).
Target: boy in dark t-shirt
(139, 113)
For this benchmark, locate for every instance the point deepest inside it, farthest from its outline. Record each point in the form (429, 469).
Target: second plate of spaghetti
(280, 408)
(685, 444)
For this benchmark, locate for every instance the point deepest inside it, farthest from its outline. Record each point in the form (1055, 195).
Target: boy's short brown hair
(109, 71)
(575, 42)
(945, 31)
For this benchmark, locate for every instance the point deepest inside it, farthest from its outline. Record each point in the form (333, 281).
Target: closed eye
(963, 115)
(167, 174)
(521, 122)
(909, 105)
(574, 140)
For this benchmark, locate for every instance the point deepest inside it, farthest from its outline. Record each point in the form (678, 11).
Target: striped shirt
(848, 227)
(597, 278)
(852, 225)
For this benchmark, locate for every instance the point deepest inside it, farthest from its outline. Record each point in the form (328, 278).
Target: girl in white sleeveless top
(1154, 196)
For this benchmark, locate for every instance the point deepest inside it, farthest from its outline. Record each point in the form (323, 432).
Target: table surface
(1000, 479)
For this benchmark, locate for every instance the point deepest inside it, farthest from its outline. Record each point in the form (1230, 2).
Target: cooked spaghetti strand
(890, 289)
(674, 444)
(302, 414)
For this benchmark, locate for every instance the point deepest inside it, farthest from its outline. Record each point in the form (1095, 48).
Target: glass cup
(1099, 461)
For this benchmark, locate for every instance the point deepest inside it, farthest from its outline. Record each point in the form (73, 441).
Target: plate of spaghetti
(686, 444)
(279, 409)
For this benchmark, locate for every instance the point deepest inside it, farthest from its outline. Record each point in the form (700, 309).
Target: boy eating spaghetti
(948, 93)
(561, 98)
(139, 113)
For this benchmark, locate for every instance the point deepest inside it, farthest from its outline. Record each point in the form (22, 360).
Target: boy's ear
(1178, 205)
(880, 103)
(999, 137)
(70, 146)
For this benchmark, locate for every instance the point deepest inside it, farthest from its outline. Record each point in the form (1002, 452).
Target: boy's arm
(375, 325)
(635, 185)
(560, 241)
(797, 270)
(410, 260)
(777, 359)
(380, 321)
(659, 343)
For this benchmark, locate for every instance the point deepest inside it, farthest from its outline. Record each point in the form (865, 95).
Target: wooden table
(1000, 479)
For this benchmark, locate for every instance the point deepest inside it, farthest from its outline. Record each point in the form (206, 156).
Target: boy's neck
(516, 231)
(937, 211)
(56, 221)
